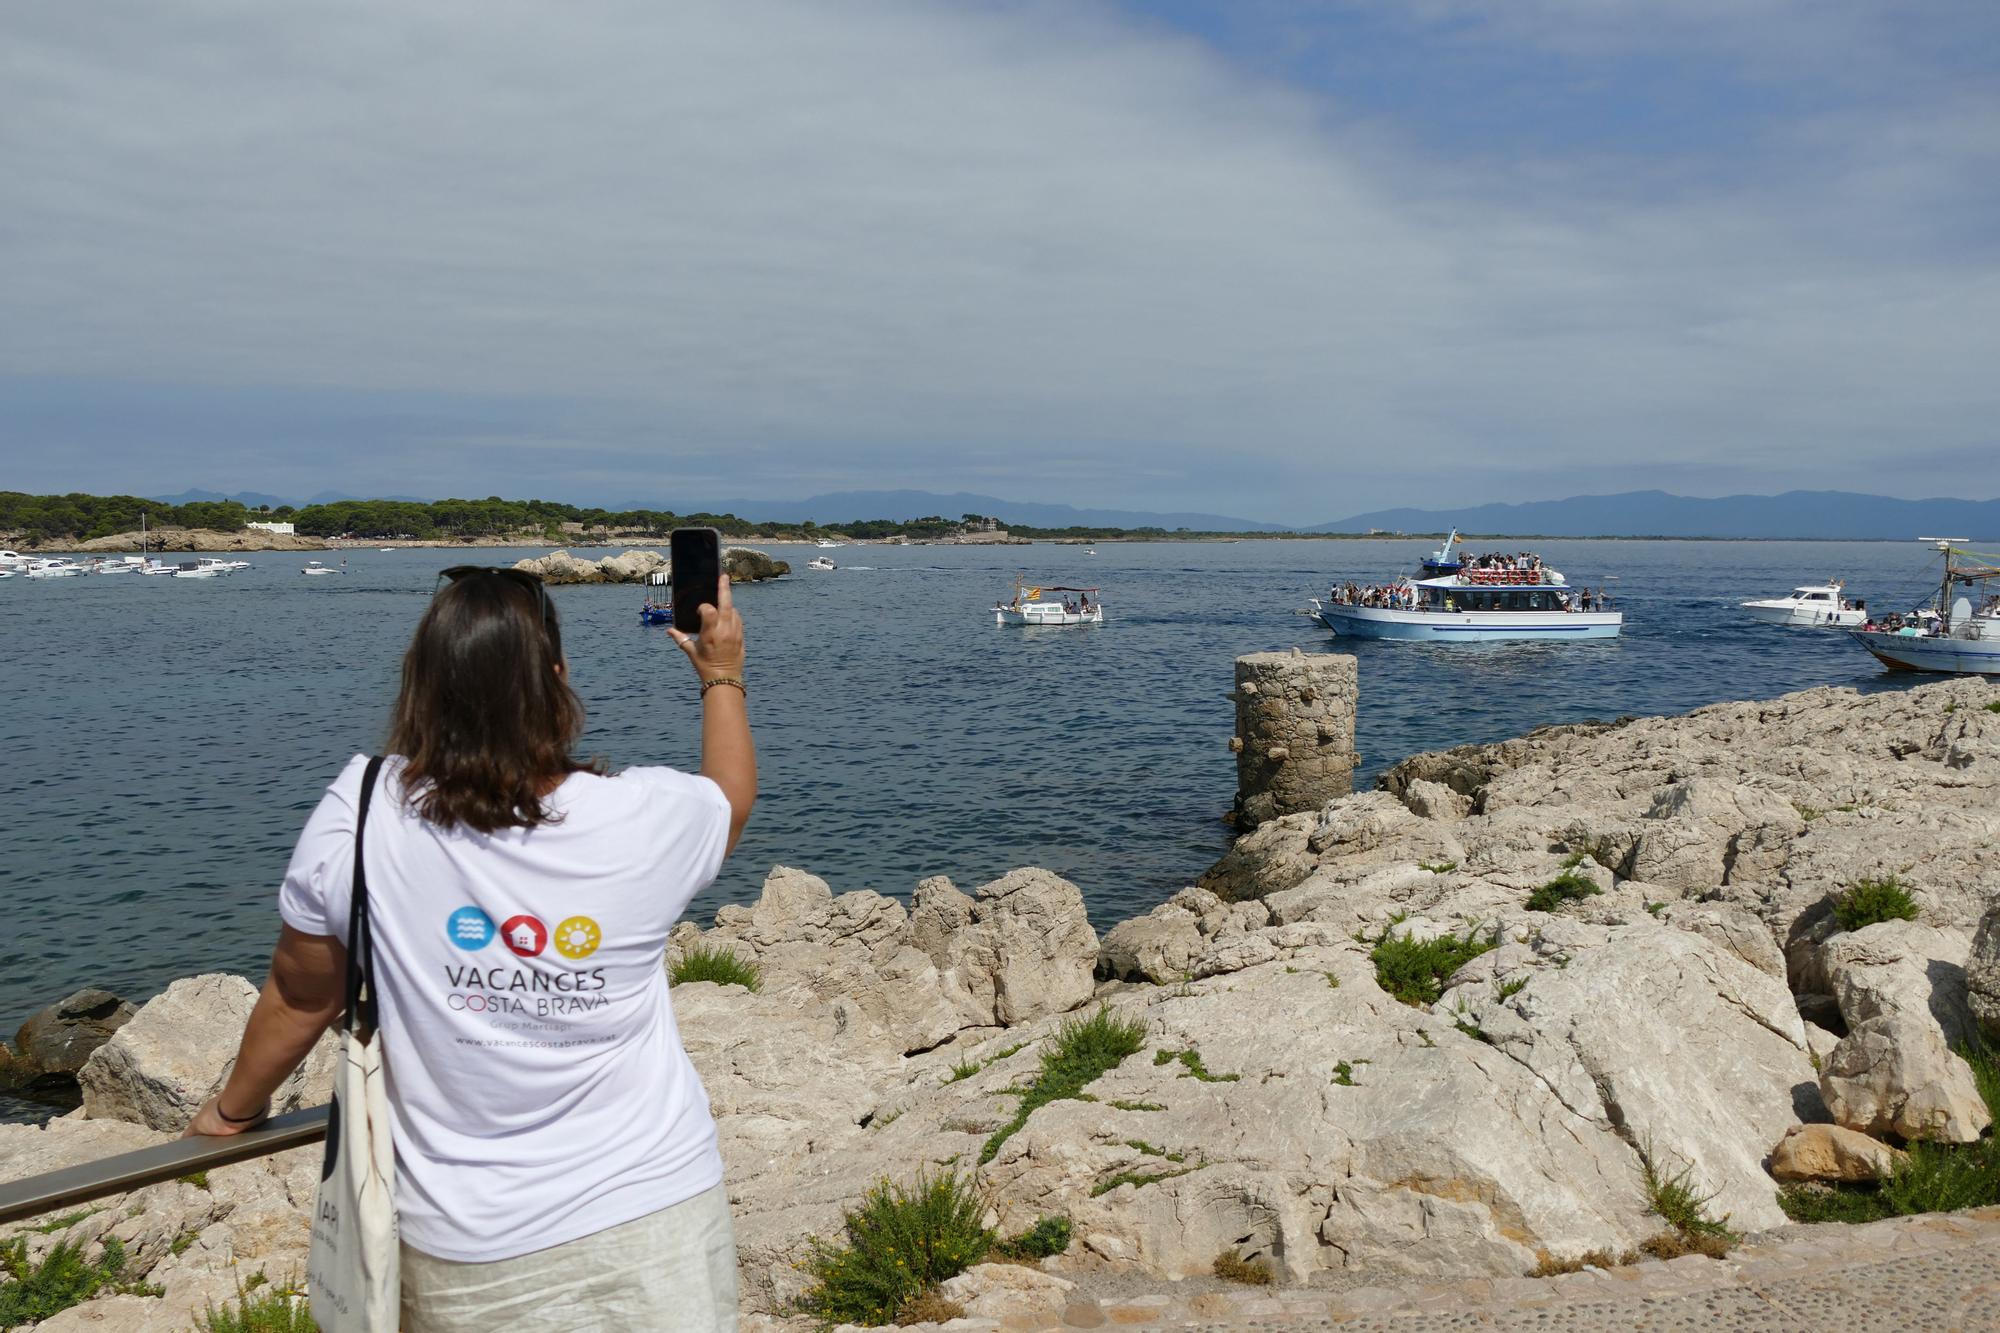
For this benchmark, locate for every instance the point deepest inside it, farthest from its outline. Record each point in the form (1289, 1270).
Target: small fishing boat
(319, 567)
(821, 562)
(1522, 599)
(1954, 636)
(657, 610)
(1812, 604)
(1028, 608)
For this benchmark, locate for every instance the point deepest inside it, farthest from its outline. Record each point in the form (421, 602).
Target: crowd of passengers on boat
(1441, 595)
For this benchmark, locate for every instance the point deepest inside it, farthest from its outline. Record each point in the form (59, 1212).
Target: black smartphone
(696, 575)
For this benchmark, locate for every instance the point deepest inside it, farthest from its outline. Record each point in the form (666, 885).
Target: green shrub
(1083, 1049)
(1833, 1203)
(900, 1244)
(1993, 707)
(30, 1293)
(1873, 900)
(715, 963)
(1050, 1235)
(964, 1069)
(1415, 971)
(1564, 888)
(259, 1308)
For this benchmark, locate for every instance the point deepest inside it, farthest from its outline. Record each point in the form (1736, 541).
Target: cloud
(787, 245)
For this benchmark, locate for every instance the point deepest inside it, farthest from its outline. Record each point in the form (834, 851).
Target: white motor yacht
(13, 561)
(1028, 608)
(195, 569)
(53, 569)
(319, 567)
(1812, 604)
(820, 562)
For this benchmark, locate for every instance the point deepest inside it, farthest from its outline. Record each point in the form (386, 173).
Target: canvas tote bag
(354, 1268)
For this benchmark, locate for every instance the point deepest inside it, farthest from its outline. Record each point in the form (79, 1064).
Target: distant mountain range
(1795, 515)
(259, 500)
(1798, 515)
(900, 506)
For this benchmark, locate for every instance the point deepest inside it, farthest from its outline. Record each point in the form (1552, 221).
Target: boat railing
(124, 1172)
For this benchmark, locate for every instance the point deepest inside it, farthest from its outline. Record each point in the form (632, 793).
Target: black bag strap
(360, 936)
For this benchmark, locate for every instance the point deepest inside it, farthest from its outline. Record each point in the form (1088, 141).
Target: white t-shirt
(538, 1090)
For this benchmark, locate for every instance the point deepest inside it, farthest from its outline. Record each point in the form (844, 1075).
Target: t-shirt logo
(578, 937)
(469, 928)
(524, 935)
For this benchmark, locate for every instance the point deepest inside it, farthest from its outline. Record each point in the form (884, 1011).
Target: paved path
(1907, 1275)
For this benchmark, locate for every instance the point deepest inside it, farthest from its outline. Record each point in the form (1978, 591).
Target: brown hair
(484, 718)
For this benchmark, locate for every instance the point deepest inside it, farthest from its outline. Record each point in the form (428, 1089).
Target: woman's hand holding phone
(717, 649)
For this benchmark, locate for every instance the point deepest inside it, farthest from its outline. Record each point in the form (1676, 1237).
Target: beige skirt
(674, 1269)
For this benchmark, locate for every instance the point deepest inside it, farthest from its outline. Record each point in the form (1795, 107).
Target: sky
(1287, 260)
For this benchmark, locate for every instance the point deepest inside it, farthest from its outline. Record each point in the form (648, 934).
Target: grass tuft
(1233, 1267)
(1874, 900)
(1139, 1106)
(1509, 989)
(1415, 971)
(716, 963)
(1567, 887)
(900, 1244)
(1083, 1049)
(930, 1308)
(275, 1310)
(1677, 1201)
(1136, 1179)
(1154, 1150)
(1194, 1068)
(63, 1223)
(964, 1069)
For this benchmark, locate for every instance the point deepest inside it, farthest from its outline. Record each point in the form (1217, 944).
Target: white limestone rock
(158, 1069)
(1893, 1074)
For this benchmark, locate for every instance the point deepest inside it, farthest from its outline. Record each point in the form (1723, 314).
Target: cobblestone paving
(1908, 1275)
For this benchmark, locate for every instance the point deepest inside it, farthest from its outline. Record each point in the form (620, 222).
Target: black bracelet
(257, 1114)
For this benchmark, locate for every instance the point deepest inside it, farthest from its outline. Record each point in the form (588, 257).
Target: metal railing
(149, 1166)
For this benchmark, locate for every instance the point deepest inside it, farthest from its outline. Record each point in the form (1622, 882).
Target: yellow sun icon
(578, 937)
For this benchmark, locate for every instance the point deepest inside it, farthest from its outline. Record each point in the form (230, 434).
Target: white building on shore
(282, 529)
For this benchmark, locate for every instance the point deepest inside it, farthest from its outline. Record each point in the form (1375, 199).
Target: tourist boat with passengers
(1954, 636)
(1822, 605)
(1029, 608)
(1518, 598)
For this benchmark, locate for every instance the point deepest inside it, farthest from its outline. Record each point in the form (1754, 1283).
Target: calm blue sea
(163, 739)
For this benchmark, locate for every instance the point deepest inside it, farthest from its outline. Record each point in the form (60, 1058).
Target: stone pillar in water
(1294, 738)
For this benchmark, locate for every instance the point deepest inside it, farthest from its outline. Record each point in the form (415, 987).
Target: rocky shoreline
(1687, 1003)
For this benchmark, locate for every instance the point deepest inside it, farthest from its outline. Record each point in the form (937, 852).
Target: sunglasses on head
(520, 576)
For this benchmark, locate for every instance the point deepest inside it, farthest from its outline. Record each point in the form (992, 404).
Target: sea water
(164, 739)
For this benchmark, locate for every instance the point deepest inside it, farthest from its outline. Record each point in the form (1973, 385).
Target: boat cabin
(1452, 595)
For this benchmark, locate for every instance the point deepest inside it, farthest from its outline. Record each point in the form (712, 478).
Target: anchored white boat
(828, 544)
(123, 564)
(1959, 638)
(1815, 604)
(194, 569)
(53, 569)
(1477, 605)
(319, 567)
(11, 560)
(1028, 607)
